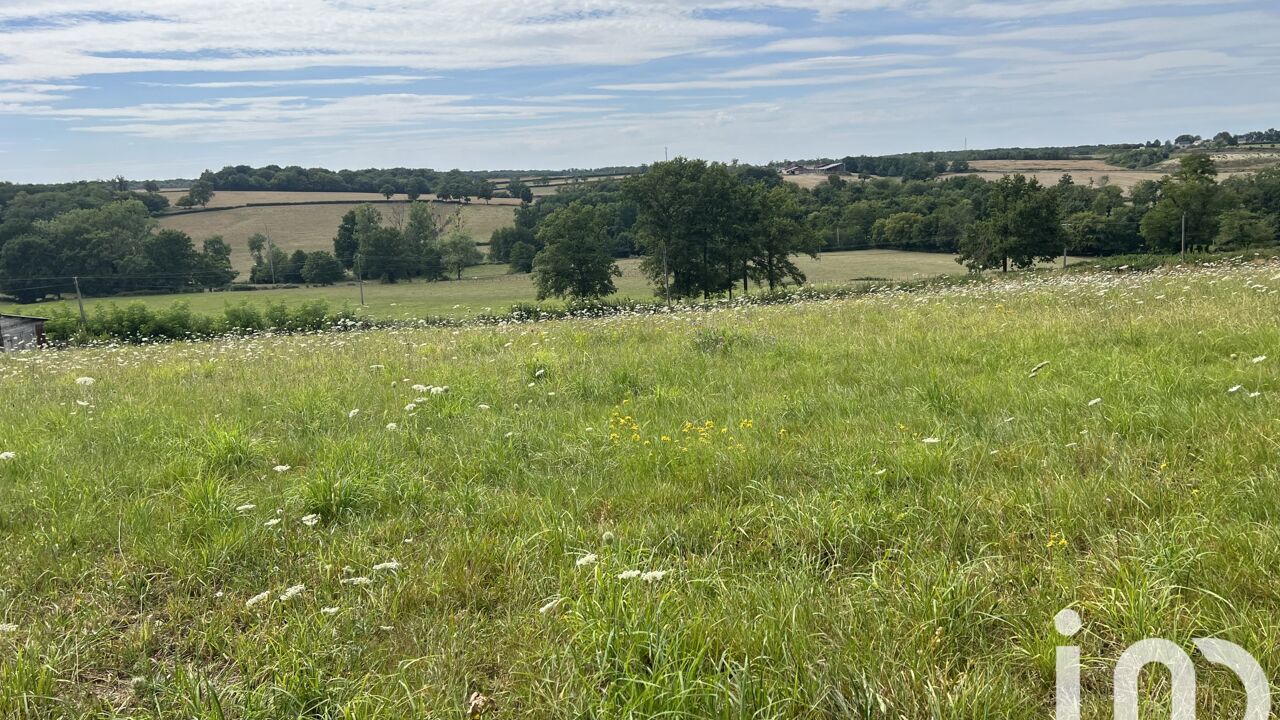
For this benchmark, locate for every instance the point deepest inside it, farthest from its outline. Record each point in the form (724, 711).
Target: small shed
(21, 332)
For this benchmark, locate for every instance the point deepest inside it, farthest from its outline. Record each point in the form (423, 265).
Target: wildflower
(1254, 394)
(483, 406)
(439, 390)
(355, 581)
(272, 522)
(1036, 370)
(410, 407)
(8, 455)
(310, 520)
(588, 559)
(654, 575)
(8, 628)
(628, 574)
(391, 565)
(329, 611)
(421, 388)
(85, 381)
(291, 592)
(552, 606)
(281, 468)
(931, 441)
(246, 507)
(353, 413)
(1236, 389)
(608, 536)
(1259, 359)
(257, 598)
(540, 372)
(392, 426)
(1094, 401)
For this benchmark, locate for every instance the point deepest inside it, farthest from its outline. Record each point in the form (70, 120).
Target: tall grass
(819, 554)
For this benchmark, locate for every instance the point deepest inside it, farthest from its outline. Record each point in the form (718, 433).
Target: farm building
(805, 170)
(21, 332)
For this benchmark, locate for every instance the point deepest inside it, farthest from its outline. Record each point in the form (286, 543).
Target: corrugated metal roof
(23, 317)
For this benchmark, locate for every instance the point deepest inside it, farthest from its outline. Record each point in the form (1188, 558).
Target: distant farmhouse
(821, 170)
(21, 332)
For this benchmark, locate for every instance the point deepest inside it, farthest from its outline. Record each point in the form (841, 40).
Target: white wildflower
(1035, 370)
(86, 381)
(353, 413)
(82, 403)
(310, 520)
(8, 628)
(272, 522)
(329, 611)
(356, 581)
(540, 372)
(931, 441)
(1259, 359)
(629, 574)
(482, 406)
(608, 536)
(410, 408)
(1094, 401)
(246, 507)
(282, 468)
(8, 455)
(291, 592)
(390, 565)
(588, 559)
(257, 598)
(1235, 389)
(654, 575)
(421, 388)
(392, 426)
(552, 606)
(439, 390)
(1254, 394)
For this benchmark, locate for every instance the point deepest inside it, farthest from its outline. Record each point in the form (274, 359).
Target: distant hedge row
(136, 322)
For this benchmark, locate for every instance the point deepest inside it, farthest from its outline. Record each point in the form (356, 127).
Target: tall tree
(1022, 225)
(1191, 196)
(458, 252)
(575, 260)
(345, 244)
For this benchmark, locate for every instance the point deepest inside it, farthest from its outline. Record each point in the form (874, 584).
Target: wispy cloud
(301, 82)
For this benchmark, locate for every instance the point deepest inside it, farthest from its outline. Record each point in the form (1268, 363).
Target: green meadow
(870, 507)
(493, 287)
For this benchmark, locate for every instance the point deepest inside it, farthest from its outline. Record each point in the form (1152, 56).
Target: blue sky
(167, 88)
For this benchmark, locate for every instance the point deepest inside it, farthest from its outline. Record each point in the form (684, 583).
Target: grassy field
(491, 287)
(857, 508)
(312, 227)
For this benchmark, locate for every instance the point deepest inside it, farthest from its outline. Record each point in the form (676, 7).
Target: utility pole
(360, 276)
(80, 299)
(1184, 237)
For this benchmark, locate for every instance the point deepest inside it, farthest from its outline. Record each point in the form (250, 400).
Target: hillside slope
(839, 508)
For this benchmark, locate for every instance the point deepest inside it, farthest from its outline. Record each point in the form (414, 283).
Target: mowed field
(237, 198)
(858, 508)
(312, 227)
(492, 288)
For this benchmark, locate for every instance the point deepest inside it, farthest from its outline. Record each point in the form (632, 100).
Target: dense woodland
(701, 229)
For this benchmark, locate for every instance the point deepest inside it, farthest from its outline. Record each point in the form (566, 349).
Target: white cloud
(309, 82)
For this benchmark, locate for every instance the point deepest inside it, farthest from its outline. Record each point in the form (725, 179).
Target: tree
(293, 269)
(1192, 195)
(23, 261)
(421, 235)
(345, 244)
(504, 240)
(387, 190)
(151, 186)
(666, 202)
(413, 189)
(1240, 228)
(257, 243)
(214, 263)
(521, 257)
(458, 252)
(900, 230)
(271, 269)
(321, 268)
(778, 233)
(200, 193)
(519, 190)
(575, 260)
(960, 165)
(1022, 226)
(484, 191)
